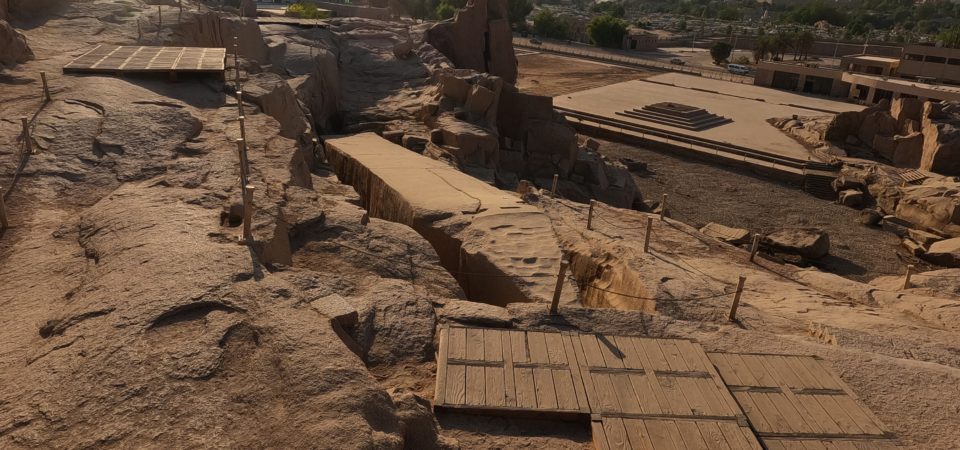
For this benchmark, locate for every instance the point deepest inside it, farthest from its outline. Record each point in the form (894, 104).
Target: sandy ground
(699, 193)
(551, 75)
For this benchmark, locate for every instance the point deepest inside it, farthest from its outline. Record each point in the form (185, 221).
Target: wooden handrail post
(3, 212)
(590, 214)
(243, 131)
(663, 207)
(906, 281)
(242, 151)
(646, 238)
(554, 307)
(553, 191)
(240, 104)
(46, 90)
(26, 134)
(756, 246)
(736, 299)
(248, 211)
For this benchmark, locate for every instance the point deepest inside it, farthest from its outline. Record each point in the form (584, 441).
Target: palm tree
(803, 44)
(761, 47)
(782, 41)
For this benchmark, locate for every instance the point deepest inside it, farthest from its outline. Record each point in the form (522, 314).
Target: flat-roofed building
(929, 62)
(870, 89)
(874, 65)
(640, 40)
(801, 77)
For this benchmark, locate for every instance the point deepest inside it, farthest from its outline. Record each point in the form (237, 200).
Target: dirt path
(699, 193)
(550, 75)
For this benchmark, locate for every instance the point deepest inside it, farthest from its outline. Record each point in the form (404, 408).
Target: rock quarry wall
(478, 38)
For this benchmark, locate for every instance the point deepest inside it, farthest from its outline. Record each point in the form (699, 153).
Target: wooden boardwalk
(279, 20)
(798, 402)
(126, 59)
(639, 393)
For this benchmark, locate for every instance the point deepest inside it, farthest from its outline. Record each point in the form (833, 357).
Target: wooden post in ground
(159, 18)
(315, 145)
(3, 212)
(243, 131)
(736, 299)
(240, 104)
(554, 307)
(26, 135)
(46, 90)
(590, 214)
(906, 281)
(646, 238)
(241, 149)
(756, 246)
(236, 59)
(553, 191)
(247, 211)
(663, 207)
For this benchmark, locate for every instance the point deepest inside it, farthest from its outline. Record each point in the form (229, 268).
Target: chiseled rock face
(944, 253)
(904, 109)
(13, 46)
(213, 29)
(941, 148)
(807, 242)
(909, 150)
(463, 39)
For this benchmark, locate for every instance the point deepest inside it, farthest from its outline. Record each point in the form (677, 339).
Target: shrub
(607, 31)
(308, 11)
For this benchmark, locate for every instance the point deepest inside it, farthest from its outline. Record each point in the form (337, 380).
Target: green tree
(804, 42)
(308, 11)
(607, 31)
(619, 11)
(761, 47)
(682, 25)
(551, 26)
(720, 51)
(445, 11)
(517, 12)
(729, 13)
(782, 41)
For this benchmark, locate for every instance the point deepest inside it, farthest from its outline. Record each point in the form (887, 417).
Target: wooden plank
(566, 396)
(722, 392)
(789, 412)
(526, 388)
(791, 445)
(546, 392)
(692, 440)
(690, 356)
(846, 388)
(475, 384)
(740, 368)
(678, 404)
(475, 344)
(759, 371)
(616, 433)
(456, 385)
(712, 436)
(823, 377)
(441, 389)
(591, 349)
(807, 380)
(654, 354)
(492, 347)
(846, 424)
(629, 403)
(726, 371)
(695, 400)
(555, 349)
(753, 412)
(773, 417)
(518, 343)
(658, 393)
(714, 404)
(886, 445)
(592, 399)
(813, 445)
(509, 386)
(608, 398)
(674, 433)
(811, 422)
(783, 370)
(734, 435)
(637, 432)
(630, 358)
(599, 436)
(750, 439)
(672, 353)
(458, 343)
(495, 394)
(818, 414)
(538, 347)
(575, 373)
(856, 412)
(844, 445)
(645, 396)
(612, 356)
(774, 445)
(659, 436)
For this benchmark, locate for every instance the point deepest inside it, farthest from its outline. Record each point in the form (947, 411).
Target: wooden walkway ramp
(639, 393)
(799, 403)
(120, 59)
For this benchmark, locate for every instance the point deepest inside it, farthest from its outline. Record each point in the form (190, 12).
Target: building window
(935, 59)
(875, 70)
(857, 68)
(912, 57)
(953, 62)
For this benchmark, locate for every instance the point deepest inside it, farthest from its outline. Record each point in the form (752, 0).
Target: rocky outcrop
(13, 46)
(941, 147)
(944, 253)
(212, 29)
(905, 110)
(735, 236)
(807, 242)
(478, 38)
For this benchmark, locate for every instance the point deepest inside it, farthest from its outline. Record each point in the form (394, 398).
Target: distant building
(640, 40)
(578, 26)
(927, 62)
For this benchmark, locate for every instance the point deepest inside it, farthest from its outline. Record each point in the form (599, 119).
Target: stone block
(843, 183)
(809, 243)
(914, 248)
(852, 198)
(735, 236)
(897, 226)
(909, 151)
(886, 146)
(944, 253)
(923, 238)
(479, 101)
(455, 88)
(904, 109)
(335, 307)
(869, 217)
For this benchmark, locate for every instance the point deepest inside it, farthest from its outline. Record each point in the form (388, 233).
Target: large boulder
(886, 146)
(809, 243)
(941, 148)
(734, 236)
(869, 217)
(944, 253)
(213, 29)
(904, 109)
(909, 151)
(479, 38)
(843, 125)
(13, 46)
